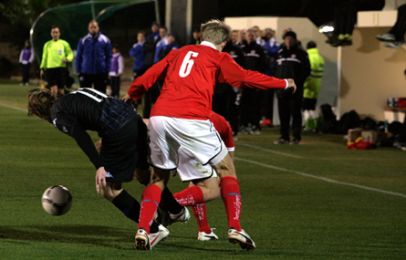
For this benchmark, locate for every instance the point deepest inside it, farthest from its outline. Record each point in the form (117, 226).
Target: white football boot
(155, 238)
(242, 238)
(203, 236)
(142, 240)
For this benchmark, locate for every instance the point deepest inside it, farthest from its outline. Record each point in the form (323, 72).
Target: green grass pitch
(315, 201)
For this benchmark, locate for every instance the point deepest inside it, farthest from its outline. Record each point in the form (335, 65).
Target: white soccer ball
(56, 200)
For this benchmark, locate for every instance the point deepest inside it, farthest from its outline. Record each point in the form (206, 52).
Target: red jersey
(224, 129)
(191, 74)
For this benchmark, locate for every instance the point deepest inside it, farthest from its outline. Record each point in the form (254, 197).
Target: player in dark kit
(124, 149)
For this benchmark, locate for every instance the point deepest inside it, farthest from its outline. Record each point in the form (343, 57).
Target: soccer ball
(56, 200)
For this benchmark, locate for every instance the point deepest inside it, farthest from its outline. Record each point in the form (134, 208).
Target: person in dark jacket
(226, 99)
(291, 62)
(251, 99)
(93, 58)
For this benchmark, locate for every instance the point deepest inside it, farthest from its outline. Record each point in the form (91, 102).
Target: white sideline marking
(270, 150)
(325, 179)
(13, 107)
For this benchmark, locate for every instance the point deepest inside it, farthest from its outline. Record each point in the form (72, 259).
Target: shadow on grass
(79, 234)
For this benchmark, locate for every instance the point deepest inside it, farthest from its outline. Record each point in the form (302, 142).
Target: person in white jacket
(116, 69)
(26, 58)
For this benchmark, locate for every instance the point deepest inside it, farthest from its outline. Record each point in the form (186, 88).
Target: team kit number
(187, 64)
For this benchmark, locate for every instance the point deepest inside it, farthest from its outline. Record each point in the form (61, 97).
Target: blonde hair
(215, 31)
(40, 102)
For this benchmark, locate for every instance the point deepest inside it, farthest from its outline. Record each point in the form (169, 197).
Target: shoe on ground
(393, 44)
(281, 141)
(295, 141)
(386, 37)
(142, 240)
(203, 236)
(242, 238)
(183, 216)
(155, 238)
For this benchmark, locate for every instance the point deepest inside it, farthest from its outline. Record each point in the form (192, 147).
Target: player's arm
(236, 76)
(150, 77)
(69, 126)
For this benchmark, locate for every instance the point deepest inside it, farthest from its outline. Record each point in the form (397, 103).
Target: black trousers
(399, 28)
(267, 103)
(345, 16)
(226, 102)
(115, 83)
(290, 110)
(25, 71)
(97, 81)
(251, 101)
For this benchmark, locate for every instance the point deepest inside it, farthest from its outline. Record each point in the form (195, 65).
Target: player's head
(40, 102)
(93, 27)
(55, 32)
(216, 32)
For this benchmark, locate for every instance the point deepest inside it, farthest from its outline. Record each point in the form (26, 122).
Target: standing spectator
(242, 38)
(235, 37)
(291, 62)
(93, 58)
(55, 55)
(196, 37)
(312, 86)
(160, 45)
(271, 48)
(150, 43)
(251, 98)
(170, 45)
(116, 69)
(226, 99)
(26, 58)
(137, 53)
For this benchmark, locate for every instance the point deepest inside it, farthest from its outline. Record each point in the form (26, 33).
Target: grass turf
(288, 215)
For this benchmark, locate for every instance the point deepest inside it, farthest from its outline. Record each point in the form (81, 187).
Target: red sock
(190, 196)
(149, 204)
(200, 212)
(230, 192)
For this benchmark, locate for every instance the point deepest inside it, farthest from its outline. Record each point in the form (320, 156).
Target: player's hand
(291, 85)
(100, 180)
(126, 98)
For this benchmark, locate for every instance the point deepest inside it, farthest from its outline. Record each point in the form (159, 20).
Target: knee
(110, 191)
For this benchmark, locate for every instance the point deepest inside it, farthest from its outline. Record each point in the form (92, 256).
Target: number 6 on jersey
(187, 64)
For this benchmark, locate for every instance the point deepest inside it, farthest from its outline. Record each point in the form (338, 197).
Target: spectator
(150, 43)
(291, 62)
(170, 45)
(137, 53)
(226, 99)
(234, 37)
(271, 48)
(116, 69)
(55, 56)
(395, 37)
(312, 86)
(93, 58)
(196, 37)
(26, 58)
(242, 39)
(251, 98)
(160, 45)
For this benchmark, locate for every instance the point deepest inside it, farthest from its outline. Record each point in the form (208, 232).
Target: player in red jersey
(180, 127)
(223, 128)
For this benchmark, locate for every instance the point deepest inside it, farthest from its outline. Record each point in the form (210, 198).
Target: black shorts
(56, 77)
(309, 103)
(125, 150)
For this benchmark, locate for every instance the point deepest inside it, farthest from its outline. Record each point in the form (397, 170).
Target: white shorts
(177, 140)
(190, 169)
